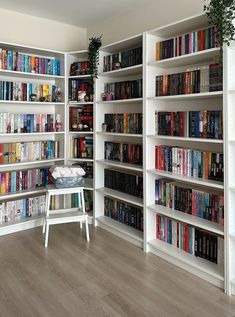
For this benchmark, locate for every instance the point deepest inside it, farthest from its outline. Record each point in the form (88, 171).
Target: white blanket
(66, 171)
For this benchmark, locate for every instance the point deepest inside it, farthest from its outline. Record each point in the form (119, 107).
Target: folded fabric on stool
(66, 171)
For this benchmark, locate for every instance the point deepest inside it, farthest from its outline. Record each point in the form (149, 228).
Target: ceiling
(81, 13)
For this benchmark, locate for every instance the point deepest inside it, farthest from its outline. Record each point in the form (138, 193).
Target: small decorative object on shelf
(93, 54)
(117, 65)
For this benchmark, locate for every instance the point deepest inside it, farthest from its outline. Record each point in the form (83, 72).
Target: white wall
(33, 31)
(154, 14)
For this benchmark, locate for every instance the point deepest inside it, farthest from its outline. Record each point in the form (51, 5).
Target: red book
(186, 238)
(172, 123)
(156, 157)
(182, 115)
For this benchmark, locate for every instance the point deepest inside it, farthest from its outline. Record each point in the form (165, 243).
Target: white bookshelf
(134, 105)
(71, 57)
(30, 107)
(214, 273)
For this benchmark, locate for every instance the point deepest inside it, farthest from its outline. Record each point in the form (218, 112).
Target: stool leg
(81, 224)
(47, 235)
(87, 230)
(47, 206)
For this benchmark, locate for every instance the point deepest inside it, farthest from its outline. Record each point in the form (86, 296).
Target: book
(29, 123)
(199, 80)
(128, 89)
(128, 183)
(80, 68)
(81, 118)
(76, 86)
(191, 199)
(123, 122)
(28, 63)
(170, 123)
(82, 147)
(187, 43)
(190, 162)
(195, 241)
(123, 212)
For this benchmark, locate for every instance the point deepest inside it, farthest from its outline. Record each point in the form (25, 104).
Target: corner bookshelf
(111, 73)
(200, 101)
(77, 110)
(32, 69)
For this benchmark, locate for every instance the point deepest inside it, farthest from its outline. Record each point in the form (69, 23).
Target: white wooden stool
(53, 217)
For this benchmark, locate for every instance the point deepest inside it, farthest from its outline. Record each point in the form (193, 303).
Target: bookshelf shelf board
(188, 59)
(71, 104)
(188, 179)
(31, 162)
(23, 193)
(133, 100)
(81, 132)
(122, 45)
(23, 224)
(186, 218)
(212, 269)
(121, 165)
(121, 134)
(88, 184)
(81, 160)
(202, 95)
(13, 73)
(36, 103)
(122, 196)
(31, 134)
(80, 76)
(109, 223)
(132, 70)
(177, 138)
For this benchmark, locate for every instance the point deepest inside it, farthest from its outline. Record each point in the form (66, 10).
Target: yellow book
(45, 90)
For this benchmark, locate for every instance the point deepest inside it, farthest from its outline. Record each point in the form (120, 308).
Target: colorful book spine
(124, 90)
(123, 122)
(188, 43)
(189, 162)
(15, 61)
(81, 118)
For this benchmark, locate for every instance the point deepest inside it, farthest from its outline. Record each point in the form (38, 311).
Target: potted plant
(93, 54)
(220, 13)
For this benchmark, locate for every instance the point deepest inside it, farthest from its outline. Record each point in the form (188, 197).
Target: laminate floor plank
(107, 277)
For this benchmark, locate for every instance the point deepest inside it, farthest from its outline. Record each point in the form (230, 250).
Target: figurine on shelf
(103, 96)
(81, 95)
(104, 127)
(109, 96)
(58, 95)
(33, 97)
(87, 98)
(48, 98)
(42, 99)
(117, 65)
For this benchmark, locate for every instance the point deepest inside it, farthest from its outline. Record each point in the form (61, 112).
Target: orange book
(158, 51)
(33, 63)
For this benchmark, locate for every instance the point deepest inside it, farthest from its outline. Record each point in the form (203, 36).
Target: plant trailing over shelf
(93, 54)
(221, 14)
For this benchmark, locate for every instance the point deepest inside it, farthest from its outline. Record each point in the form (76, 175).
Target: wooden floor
(106, 277)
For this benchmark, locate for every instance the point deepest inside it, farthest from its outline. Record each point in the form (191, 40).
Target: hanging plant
(93, 54)
(220, 13)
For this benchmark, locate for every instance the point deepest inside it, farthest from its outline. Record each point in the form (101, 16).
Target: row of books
(170, 123)
(201, 124)
(193, 200)
(81, 118)
(80, 68)
(130, 184)
(82, 147)
(189, 162)
(18, 91)
(22, 208)
(189, 239)
(28, 151)
(202, 79)
(123, 122)
(124, 89)
(124, 152)
(88, 197)
(16, 61)
(125, 213)
(186, 44)
(206, 124)
(88, 168)
(17, 181)
(78, 86)
(124, 59)
(29, 123)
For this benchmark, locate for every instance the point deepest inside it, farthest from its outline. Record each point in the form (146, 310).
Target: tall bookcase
(30, 107)
(73, 102)
(117, 106)
(202, 101)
